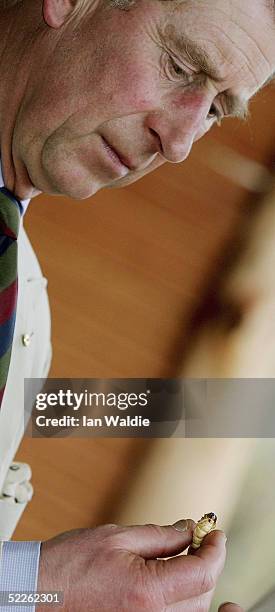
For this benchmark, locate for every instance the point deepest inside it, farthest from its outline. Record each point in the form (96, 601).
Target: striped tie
(10, 210)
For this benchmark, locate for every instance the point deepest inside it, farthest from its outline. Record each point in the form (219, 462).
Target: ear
(56, 12)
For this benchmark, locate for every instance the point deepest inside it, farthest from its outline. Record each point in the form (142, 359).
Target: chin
(82, 192)
(124, 182)
(77, 188)
(63, 174)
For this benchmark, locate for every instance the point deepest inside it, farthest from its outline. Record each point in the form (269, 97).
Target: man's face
(130, 90)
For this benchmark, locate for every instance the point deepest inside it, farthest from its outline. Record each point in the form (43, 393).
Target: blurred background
(172, 276)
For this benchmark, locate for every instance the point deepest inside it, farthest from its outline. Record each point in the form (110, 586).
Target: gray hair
(83, 6)
(122, 4)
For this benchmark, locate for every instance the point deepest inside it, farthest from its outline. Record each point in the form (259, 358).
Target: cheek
(131, 81)
(194, 103)
(139, 99)
(134, 93)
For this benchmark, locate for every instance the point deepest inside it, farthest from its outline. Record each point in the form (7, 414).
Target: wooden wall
(127, 270)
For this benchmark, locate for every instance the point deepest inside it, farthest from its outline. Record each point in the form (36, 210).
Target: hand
(119, 569)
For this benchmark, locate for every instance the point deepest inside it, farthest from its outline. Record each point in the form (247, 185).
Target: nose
(176, 130)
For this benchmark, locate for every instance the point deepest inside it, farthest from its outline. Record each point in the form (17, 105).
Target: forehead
(232, 41)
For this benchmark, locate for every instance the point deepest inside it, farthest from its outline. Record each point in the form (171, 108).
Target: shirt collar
(24, 203)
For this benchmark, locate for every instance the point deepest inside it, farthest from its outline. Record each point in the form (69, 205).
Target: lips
(116, 155)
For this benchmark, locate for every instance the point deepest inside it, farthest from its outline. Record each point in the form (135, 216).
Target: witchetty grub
(203, 527)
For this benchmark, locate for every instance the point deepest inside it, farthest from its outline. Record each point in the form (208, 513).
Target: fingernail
(182, 525)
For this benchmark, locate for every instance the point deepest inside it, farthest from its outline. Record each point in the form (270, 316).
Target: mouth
(118, 159)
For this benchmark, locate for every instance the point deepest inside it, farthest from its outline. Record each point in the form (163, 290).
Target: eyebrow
(235, 105)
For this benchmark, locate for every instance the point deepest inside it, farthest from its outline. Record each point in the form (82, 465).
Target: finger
(152, 541)
(212, 548)
(193, 575)
(230, 607)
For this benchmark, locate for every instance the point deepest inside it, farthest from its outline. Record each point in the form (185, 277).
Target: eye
(214, 113)
(177, 71)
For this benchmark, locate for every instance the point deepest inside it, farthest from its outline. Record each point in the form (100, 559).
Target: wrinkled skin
(118, 78)
(115, 569)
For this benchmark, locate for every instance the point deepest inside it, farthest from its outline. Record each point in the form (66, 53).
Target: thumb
(151, 541)
(230, 607)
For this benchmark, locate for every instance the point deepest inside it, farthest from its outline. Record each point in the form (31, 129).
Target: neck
(25, 44)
